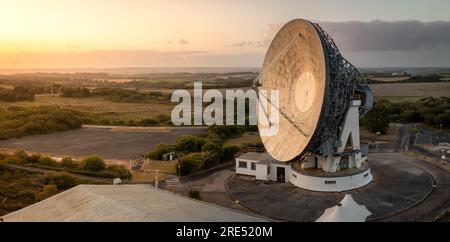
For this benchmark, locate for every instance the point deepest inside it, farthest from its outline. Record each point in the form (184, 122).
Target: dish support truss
(344, 84)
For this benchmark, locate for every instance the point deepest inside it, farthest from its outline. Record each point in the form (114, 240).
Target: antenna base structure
(322, 97)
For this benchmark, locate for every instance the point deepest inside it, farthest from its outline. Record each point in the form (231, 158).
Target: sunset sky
(201, 33)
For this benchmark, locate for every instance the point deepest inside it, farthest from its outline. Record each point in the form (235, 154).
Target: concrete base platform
(397, 186)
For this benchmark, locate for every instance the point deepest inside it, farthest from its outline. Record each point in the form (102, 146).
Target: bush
(92, 163)
(195, 162)
(34, 158)
(3, 165)
(62, 180)
(119, 171)
(68, 163)
(160, 150)
(21, 154)
(189, 143)
(46, 161)
(229, 151)
(212, 147)
(13, 159)
(27, 196)
(48, 191)
(189, 163)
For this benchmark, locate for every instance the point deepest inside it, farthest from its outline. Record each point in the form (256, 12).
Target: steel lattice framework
(344, 82)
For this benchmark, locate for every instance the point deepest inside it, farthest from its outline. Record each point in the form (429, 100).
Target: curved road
(432, 206)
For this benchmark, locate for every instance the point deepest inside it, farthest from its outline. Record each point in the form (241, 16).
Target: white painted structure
(346, 211)
(344, 170)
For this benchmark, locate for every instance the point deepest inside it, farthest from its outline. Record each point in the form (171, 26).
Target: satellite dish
(315, 85)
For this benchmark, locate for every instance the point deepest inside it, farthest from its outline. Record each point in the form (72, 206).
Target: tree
(92, 163)
(376, 120)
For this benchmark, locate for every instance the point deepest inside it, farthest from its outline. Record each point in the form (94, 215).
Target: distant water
(135, 70)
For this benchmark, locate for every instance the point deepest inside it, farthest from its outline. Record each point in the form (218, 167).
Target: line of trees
(18, 93)
(434, 112)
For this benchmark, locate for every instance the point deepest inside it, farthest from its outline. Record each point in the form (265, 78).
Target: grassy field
(411, 90)
(100, 109)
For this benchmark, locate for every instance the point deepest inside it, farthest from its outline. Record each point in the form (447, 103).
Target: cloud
(240, 44)
(183, 42)
(389, 36)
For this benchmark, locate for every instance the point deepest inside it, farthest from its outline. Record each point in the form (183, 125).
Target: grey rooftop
(93, 203)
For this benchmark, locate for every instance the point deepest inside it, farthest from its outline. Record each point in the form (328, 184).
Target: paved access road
(436, 203)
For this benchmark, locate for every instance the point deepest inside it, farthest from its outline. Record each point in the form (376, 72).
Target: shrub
(48, 191)
(46, 161)
(160, 150)
(3, 165)
(68, 163)
(119, 171)
(26, 196)
(187, 166)
(212, 147)
(21, 154)
(62, 180)
(13, 159)
(34, 158)
(92, 163)
(229, 151)
(189, 143)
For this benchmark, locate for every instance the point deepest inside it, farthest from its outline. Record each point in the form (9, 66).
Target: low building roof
(126, 203)
(261, 158)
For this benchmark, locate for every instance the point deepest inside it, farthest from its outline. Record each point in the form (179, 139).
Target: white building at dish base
(264, 168)
(345, 169)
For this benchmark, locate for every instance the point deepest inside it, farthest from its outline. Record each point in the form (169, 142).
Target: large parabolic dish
(315, 86)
